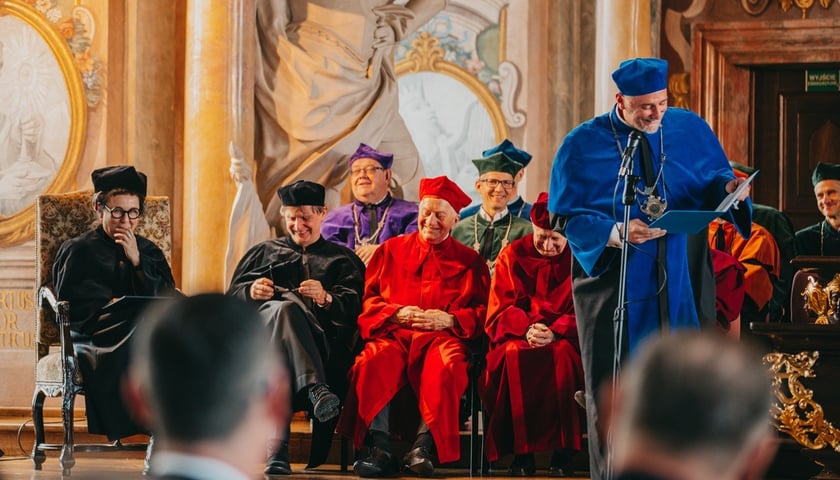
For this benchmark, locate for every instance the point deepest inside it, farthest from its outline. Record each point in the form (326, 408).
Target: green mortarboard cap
(497, 162)
(825, 171)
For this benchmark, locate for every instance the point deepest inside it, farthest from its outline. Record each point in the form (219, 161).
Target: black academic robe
(820, 239)
(89, 271)
(318, 344)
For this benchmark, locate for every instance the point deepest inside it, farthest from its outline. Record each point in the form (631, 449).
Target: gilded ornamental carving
(797, 413)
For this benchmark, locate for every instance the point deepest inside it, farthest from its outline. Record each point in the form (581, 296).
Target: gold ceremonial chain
(374, 236)
(653, 205)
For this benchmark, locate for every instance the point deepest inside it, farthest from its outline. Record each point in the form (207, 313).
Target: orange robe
(528, 392)
(405, 271)
(759, 254)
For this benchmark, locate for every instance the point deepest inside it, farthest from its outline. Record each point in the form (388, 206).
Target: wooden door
(793, 130)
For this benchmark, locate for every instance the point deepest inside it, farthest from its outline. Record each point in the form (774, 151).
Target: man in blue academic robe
(681, 166)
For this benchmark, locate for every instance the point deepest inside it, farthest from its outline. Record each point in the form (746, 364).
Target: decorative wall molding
(509, 75)
(758, 7)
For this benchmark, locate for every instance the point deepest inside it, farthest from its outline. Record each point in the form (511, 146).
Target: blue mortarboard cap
(366, 151)
(641, 76)
(519, 156)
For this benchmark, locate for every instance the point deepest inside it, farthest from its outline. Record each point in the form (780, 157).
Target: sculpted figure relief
(325, 82)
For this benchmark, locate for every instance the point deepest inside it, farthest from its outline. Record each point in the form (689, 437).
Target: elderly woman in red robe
(424, 303)
(533, 366)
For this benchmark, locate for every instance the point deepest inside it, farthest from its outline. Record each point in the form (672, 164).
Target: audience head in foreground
(205, 379)
(694, 406)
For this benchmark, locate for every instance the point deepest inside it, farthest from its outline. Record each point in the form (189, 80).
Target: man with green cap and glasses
(517, 205)
(823, 238)
(495, 225)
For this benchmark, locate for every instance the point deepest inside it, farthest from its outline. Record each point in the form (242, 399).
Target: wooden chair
(60, 217)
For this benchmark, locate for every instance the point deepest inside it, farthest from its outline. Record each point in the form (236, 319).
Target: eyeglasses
(493, 183)
(367, 171)
(118, 213)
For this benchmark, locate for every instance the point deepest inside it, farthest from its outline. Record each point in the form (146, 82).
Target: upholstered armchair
(60, 217)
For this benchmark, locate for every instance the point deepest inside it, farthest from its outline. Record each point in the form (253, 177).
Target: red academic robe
(729, 287)
(528, 392)
(407, 271)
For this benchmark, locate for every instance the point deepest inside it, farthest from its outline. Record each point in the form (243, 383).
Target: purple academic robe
(401, 217)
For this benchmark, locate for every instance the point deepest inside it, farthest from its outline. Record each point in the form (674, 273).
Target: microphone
(627, 156)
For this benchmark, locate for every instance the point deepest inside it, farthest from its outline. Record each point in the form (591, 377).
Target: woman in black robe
(96, 268)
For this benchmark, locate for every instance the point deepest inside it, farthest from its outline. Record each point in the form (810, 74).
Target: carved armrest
(61, 309)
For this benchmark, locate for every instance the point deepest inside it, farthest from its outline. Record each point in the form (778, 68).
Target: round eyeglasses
(118, 213)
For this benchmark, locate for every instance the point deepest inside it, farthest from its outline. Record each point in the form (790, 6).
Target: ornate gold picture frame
(451, 129)
(427, 56)
(43, 117)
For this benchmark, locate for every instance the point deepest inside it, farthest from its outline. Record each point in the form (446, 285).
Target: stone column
(624, 30)
(218, 51)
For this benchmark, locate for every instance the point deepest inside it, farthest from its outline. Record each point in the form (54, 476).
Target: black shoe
(562, 464)
(324, 402)
(523, 465)
(419, 462)
(379, 463)
(278, 464)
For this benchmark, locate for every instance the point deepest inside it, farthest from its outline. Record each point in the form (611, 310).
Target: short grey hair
(697, 393)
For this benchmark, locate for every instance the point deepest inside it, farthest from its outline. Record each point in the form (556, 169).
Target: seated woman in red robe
(534, 365)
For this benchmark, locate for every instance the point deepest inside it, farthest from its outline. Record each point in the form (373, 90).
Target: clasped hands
(539, 335)
(263, 289)
(419, 319)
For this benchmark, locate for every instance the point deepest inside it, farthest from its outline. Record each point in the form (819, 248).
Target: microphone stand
(620, 315)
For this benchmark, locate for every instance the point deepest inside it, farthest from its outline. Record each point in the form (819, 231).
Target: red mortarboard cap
(119, 176)
(445, 189)
(365, 151)
(539, 212)
(640, 76)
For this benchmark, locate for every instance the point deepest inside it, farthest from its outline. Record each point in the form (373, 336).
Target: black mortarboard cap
(302, 193)
(825, 171)
(119, 176)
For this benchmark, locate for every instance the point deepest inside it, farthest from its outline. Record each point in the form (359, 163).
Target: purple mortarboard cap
(641, 76)
(366, 151)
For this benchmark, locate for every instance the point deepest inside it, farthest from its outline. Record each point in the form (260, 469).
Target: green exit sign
(822, 80)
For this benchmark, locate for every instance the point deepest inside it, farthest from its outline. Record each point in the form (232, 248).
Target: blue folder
(685, 221)
(692, 221)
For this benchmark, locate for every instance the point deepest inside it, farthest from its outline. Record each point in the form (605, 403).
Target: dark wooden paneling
(810, 132)
(787, 121)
